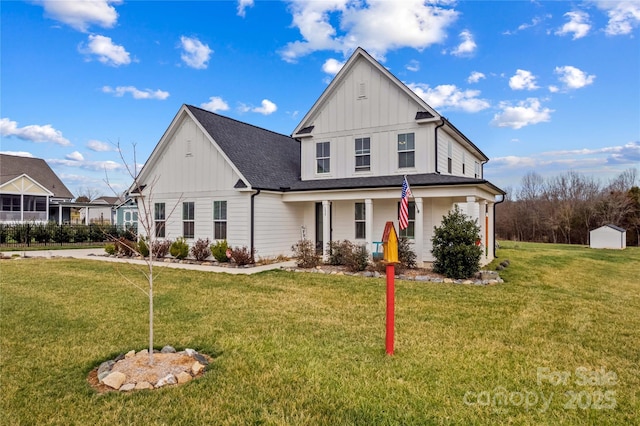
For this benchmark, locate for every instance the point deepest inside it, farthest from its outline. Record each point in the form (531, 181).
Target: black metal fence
(50, 234)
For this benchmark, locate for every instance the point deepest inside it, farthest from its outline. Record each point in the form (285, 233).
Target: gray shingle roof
(12, 166)
(268, 160)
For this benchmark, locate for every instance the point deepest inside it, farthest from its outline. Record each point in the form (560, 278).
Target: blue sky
(544, 86)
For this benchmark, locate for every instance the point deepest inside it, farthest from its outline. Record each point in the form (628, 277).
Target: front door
(319, 228)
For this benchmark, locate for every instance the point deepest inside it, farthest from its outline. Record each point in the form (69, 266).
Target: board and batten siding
(277, 225)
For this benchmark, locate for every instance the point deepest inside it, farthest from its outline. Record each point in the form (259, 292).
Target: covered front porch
(360, 215)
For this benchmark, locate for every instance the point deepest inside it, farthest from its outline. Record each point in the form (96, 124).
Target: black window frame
(363, 154)
(406, 150)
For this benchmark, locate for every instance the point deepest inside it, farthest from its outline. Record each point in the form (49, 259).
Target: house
(608, 237)
(102, 210)
(31, 192)
(126, 214)
(338, 177)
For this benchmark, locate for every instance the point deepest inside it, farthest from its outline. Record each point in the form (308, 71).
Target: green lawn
(298, 348)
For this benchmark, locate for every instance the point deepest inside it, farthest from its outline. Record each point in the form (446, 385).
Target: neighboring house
(31, 192)
(608, 237)
(126, 214)
(102, 210)
(338, 177)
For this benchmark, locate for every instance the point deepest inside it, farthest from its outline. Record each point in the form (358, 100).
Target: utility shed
(608, 237)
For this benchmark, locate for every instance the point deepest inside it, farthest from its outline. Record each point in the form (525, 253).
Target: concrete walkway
(99, 254)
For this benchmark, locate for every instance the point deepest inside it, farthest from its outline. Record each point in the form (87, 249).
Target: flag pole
(414, 198)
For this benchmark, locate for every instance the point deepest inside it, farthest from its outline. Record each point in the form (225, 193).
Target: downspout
(253, 221)
(442, 121)
(494, 225)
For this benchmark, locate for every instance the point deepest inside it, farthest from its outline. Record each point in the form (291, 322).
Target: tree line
(563, 209)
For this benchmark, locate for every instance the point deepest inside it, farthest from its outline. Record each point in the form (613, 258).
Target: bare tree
(86, 194)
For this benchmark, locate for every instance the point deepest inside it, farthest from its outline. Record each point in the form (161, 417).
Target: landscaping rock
(196, 368)
(168, 350)
(143, 385)
(115, 380)
(200, 358)
(127, 387)
(130, 354)
(183, 377)
(105, 369)
(190, 352)
(169, 379)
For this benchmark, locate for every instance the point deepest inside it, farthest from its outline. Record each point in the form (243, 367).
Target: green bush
(179, 248)
(406, 255)
(219, 251)
(110, 248)
(41, 233)
(143, 247)
(454, 246)
(80, 233)
(200, 250)
(305, 253)
(357, 259)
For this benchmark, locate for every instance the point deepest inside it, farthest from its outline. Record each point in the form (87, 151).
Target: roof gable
(36, 169)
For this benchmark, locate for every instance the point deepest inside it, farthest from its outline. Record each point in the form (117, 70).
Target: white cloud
(194, 53)
(87, 165)
(136, 93)
(624, 15)
(18, 153)
(578, 25)
(33, 132)
(534, 23)
(215, 104)
(475, 77)
(75, 156)
(266, 108)
(106, 51)
(242, 5)
(525, 113)
(574, 78)
(98, 146)
(467, 46)
(372, 24)
(332, 66)
(413, 66)
(448, 96)
(523, 80)
(80, 14)
(554, 89)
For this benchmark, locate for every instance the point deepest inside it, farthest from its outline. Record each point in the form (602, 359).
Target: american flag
(404, 205)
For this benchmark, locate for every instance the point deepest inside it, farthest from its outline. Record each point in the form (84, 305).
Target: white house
(608, 237)
(338, 176)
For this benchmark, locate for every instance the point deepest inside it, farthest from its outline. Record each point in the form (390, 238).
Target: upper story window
(220, 220)
(363, 154)
(406, 150)
(463, 163)
(323, 157)
(159, 218)
(360, 218)
(476, 170)
(449, 157)
(188, 219)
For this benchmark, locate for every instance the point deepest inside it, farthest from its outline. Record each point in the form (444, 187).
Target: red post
(390, 307)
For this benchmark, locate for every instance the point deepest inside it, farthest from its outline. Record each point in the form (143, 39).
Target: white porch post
(47, 209)
(418, 242)
(326, 228)
(472, 210)
(491, 242)
(368, 223)
(59, 214)
(483, 228)
(21, 208)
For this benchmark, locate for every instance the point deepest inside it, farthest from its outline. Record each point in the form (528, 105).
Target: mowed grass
(300, 348)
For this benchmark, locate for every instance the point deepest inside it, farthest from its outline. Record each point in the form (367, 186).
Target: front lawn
(557, 343)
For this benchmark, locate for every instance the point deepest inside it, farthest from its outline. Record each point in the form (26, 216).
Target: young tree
(143, 194)
(454, 246)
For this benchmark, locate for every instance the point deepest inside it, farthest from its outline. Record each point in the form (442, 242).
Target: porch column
(491, 241)
(482, 222)
(59, 214)
(47, 208)
(472, 209)
(418, 241)
(368, 223)
(326, 227)
(21, 208)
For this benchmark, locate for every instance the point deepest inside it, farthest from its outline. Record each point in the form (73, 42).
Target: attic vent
(362, 90)
(188, 152)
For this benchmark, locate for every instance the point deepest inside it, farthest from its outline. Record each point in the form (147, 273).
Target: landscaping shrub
(160, 249)
(357, 259)
(406, 255)
(143, 247)
(242, 256)
(80, 233)
(126, 247)
(454, 246)
(42, 234)
(338, 251)
(62, 234)
(179, 248)
(110, 249)
(219, 251)
(305, 253)
(200, 250)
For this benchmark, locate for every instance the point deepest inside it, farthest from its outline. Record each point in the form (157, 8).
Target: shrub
(62, 234)
(357, 259)
(406, 255)
(80, 233)
(126, 247)
(41, 233)
(143, 247)
(305, 253)
(200, 250)
(454, 246)
(242, 256)
(179, 248)
(219, 251)
(338, 251)
(160, 249)
(110, 249)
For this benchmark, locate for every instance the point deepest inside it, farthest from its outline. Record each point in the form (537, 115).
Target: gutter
(442, 121)
(253, 221)
(494, 225)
